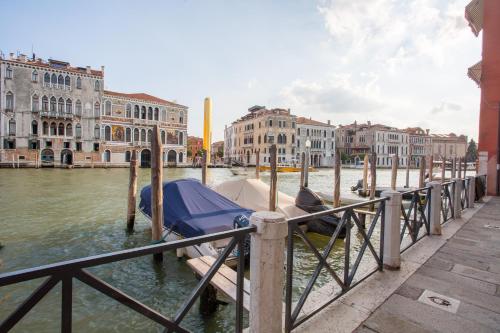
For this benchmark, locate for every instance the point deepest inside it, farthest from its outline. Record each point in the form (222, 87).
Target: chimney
(329, 122)
(369, 123)
(102, 70)
(88, 70)
(11, 56)
(427, 131)
(22, 57)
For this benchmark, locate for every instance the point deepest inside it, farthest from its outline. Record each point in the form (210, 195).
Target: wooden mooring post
(465, 165)
(431, 168)
(273, 180)
(366, 162)
(257, 164)
(460, 168)
(394, 171)
(132, 191)
(453, 167)
(421, 176)
(302, 169)
(204, 168)
(373, 180)
(336, 180)
(408, 162)
(156, 190)
(443, 169)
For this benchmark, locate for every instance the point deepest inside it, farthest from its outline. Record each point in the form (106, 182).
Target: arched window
(69, 106)
(12, 127)
(107, 133)
(283, 138)
(60, 106)
(136, 135)
(97, 109)
(181, 157)
(53, 79)
(67, 81)
(97, 132)
(107, 156)
(156, 114)
(34, 76)
(143, 135)
(143, 112)
(97, 86)
(127, 156)
(8, 72)
(78, 107)
(45, 103)
(181, 117)
(258, 139)
(128, 135)
(78, 83)
(162, 137)
(60, 80)
(34, 127)
(128, 112)
(53, 129)
(136, 112)
(107, 108)
(293, 138)
(45, 128)
(78, 131)
(35, 103)
(53, 103)
(181, 138)
(46, 78)
(9, 101)
(69, 130)
(150, 113)
(60, 129)
(265, 138)
(163, 115)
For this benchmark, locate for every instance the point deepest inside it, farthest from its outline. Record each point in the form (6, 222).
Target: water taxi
(284, 168)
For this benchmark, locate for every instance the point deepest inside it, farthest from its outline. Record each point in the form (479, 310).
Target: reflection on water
(50, 215)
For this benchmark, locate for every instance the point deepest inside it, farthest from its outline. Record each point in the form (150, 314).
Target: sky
(402, 63)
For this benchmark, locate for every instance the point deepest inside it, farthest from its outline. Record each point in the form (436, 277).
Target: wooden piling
(453, 167)
(306, 167)
(443, 169)
(421, 177)
(257, 164)
(459, 167)
(156, 190)
(431, 168)
(465, 165)
(302, 169)
(408, 161)
(274, 179)
(132, 191)
(336, 180)
(204, 168)
(394, 171)
(373, 180)
(366, 161)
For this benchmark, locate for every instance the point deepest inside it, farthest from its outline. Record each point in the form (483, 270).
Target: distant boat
(284, 168)
(239, 172)
(191, 209)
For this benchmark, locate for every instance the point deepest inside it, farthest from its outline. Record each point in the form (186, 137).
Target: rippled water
(50, 215)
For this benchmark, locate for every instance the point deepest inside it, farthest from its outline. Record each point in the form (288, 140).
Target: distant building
(59, 115)
(322, 138)
(448, 146)
(258, 130)
(354, 139)
(194, 145)
(420, 145)
(217, 151)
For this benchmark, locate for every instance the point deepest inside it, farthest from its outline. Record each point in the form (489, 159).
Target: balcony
(56, 115)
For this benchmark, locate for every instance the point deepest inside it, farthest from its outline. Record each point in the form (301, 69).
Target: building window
(143, 135)
(128, 135)
(12, 127)
(35, 103)
(136, 135)
(60, 106)
(129, 111)
(136, 112)
(34, 76)
(162, 137)
(181, 117)
(150, 135)
(78, 107)
(45, 128)
(96, 146)
(69, 106)
(97, 86)
(53, 103)
(60, 129)
(78, 83)
(107, 156)
(45, 103)
(78, 131)
(46, 79)
(8, 73)
(34, 127)
(67, 82)
(53, 79)
(60, 81)
(107, 108)
(107, 133)
(127, 156)
(156, 114)
(53, 129)
(150, 113)
(78, 146)
(97, 132)
(97, 109)
(143, 112)
(69, 130)
(9, 101)
(181, 138)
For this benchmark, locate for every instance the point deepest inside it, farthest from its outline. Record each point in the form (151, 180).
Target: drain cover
(489, 226)
(439, 301)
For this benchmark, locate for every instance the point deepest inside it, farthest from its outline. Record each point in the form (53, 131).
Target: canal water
(50, 215)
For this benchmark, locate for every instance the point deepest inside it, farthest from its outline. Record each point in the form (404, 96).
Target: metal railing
(345, 279)
(447, 209)
(66, 271)
(416, 216)
(464, 193)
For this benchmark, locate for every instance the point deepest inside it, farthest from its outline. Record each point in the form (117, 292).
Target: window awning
(474, 15)
(474, 73)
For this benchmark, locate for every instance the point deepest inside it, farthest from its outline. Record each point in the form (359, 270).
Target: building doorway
(172, 158)
(47, 157)
(146, 158)
(66, 157)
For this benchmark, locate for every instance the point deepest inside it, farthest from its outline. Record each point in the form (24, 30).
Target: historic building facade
(53, 114)
(448, 146)
(322, 140)
(420, 145)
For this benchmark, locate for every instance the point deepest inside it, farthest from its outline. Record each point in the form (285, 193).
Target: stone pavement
(456, 290)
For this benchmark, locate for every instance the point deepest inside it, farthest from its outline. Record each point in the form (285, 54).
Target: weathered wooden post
(435, 220)
(471, 191)
(408, 161)
(392, 212)
(394, 171)
(132, 191)
(431, 168)
(336, 184)
(459, 168)
(443, 169)
(204, 168)
(156, 190)
(257, 164)
(366, 161)
(373, 180)
(457, 198)
(465, 165)
(302, 169)
(453, 167)
(421, 177)
(273, 180)
(306, 168)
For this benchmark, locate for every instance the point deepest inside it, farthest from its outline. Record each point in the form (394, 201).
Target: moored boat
(284, 168)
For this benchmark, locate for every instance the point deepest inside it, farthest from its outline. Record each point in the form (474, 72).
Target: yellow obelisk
(207, 127)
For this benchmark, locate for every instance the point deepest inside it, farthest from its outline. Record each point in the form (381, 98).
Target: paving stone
(409, 292)
(466, 242)
(439, 263)
(479, 315)
(384, 321)
(476, 273)
(364, 329)
(462, 259)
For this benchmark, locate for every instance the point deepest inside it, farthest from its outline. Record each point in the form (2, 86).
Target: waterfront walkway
(448, 283)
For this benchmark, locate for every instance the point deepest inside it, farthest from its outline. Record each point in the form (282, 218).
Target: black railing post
(66, 304)
(239, 284)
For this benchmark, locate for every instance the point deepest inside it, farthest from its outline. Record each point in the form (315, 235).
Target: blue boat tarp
(192, 209)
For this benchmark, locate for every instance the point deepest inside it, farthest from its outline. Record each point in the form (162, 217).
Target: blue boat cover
(193, 209)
